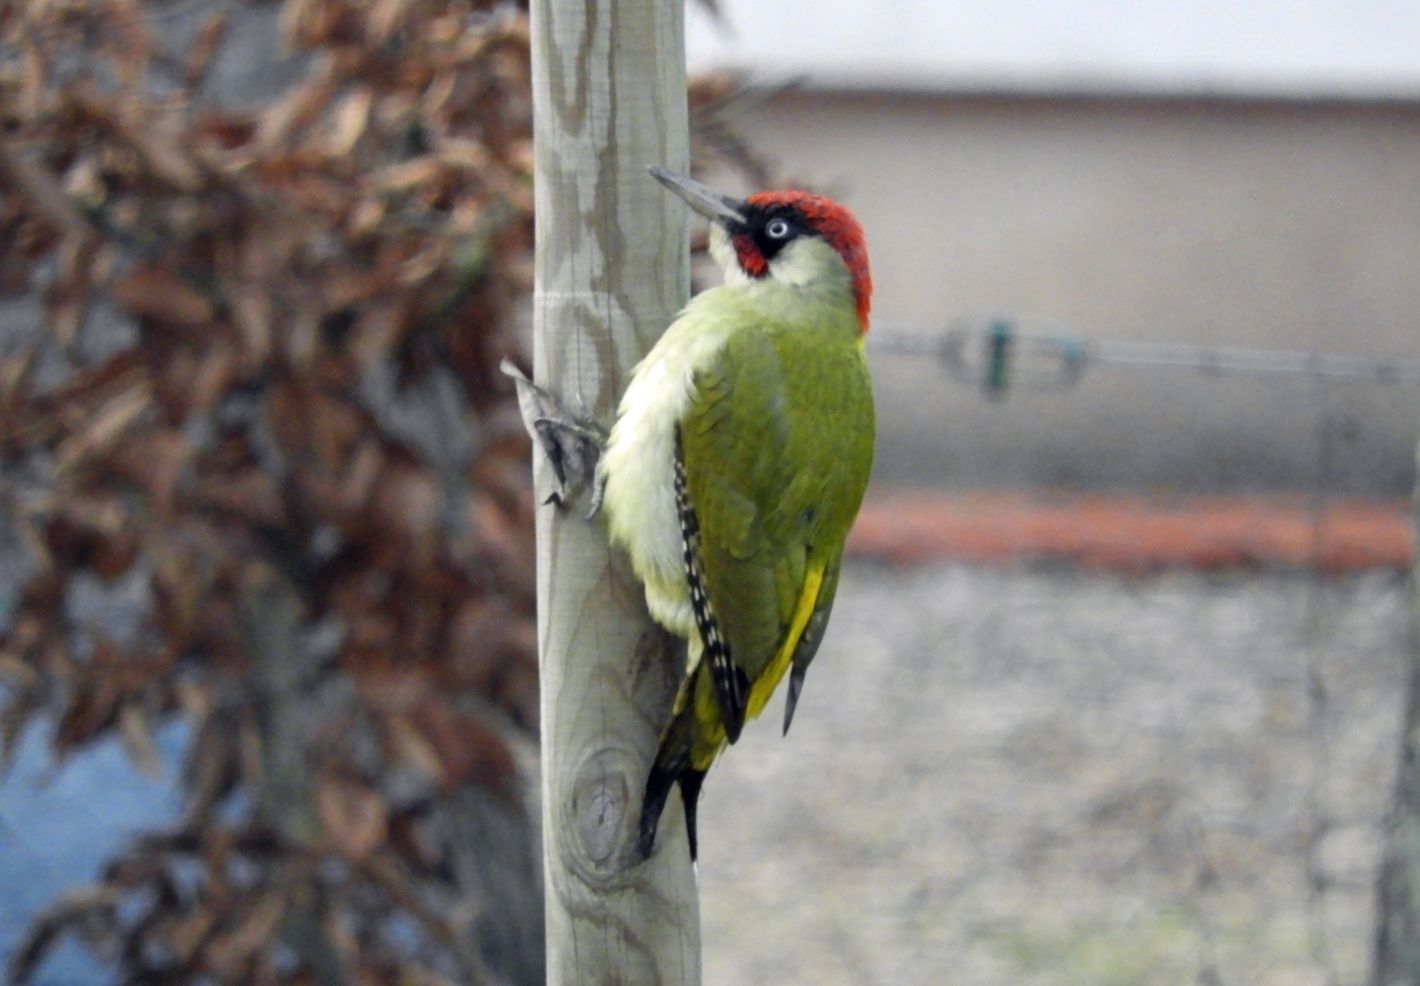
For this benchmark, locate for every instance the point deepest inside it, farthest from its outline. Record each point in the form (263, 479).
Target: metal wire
(994, 353)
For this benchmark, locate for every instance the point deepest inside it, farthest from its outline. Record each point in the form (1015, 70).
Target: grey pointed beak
(703, 199)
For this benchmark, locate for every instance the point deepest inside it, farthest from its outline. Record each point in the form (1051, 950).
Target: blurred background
(1151, 734)
(1115, 687)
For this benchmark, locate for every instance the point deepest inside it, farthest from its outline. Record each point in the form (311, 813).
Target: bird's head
(794, 237)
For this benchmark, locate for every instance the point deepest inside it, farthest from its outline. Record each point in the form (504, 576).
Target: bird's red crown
(826, 218)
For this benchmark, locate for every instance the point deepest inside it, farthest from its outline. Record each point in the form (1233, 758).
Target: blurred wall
(1275, 224)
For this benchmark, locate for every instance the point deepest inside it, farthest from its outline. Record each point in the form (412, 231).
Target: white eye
(777, 229)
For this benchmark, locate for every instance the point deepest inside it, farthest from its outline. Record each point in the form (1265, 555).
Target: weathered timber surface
(611, 271)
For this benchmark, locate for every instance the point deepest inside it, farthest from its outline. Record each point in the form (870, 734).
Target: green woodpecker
(737, 464)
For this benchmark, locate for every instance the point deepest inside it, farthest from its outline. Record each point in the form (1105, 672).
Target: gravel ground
(1027, 776)
(1032, 776)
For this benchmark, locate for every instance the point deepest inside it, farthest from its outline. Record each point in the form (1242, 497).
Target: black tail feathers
(672, 766)
(690, 781)
(658, 788)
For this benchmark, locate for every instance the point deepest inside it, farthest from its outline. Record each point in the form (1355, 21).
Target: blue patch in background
(61, 822)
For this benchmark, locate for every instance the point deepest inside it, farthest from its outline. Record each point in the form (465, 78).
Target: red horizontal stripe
(1135, 532)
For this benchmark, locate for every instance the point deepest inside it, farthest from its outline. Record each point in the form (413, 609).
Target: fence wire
(998, 355)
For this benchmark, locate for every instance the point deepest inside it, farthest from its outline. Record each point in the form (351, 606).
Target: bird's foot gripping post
(573, 443)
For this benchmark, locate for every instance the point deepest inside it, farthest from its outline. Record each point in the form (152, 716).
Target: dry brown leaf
(365, 220)
(493, 526)
(361, 472)
(424, 263)
(16, 671)
(370, 635)
(407, 500)
(189, 931)
(250, 303)
(177, 589)
(352, 815)
(247, 286)
(223, 137)
(209, 772)
(214, 376)
(297, 110)
(468, 750)
(154, 461)
(459, 153)
(381, 325)
(156, 292)
(412, 748)
(91, 709)
(138, 739)
(105, 426)
(313, 22)
(33, 91)
(355, 288)
(126, 31)
(160, 139)
(194, 701)
(67, 299)
(384, 17)
(250, 496)
(438, 93)
(350, 121)
(313, 427)
(16, 373)
(295, 14)
(400, 178)
(44, 931)
(119, 372)
(204, 48)
(229, 952)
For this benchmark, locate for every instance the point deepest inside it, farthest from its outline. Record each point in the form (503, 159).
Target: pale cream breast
(639, 461)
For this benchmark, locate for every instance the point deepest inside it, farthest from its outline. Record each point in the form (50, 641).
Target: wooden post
(612, 270)
(1396, 960)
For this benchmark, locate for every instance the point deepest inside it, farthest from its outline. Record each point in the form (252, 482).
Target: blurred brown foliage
(265, 402)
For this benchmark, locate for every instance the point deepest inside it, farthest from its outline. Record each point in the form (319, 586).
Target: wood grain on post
(612, 270)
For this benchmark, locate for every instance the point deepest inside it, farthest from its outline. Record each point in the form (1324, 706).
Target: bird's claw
(572, 442)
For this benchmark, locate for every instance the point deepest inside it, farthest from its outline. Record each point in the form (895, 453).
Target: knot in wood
(600, 804)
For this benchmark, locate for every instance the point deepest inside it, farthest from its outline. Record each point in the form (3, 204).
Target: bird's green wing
(775, 450)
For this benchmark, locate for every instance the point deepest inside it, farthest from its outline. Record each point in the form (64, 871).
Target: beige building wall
(1228, 222)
